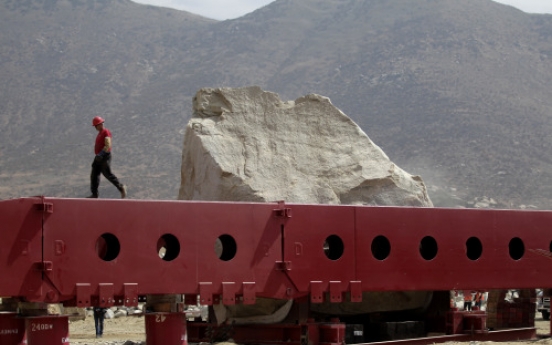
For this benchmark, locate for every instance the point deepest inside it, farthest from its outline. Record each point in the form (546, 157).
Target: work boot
(123, 191)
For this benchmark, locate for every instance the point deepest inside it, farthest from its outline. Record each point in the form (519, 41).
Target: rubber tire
(545, 315)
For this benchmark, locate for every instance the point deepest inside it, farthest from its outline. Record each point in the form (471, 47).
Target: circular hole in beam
(333, 247)
(516, 248)
(381, 248)
(108, 247)
(428, 248)
(168, 247)
(474, 248)
(226, 247)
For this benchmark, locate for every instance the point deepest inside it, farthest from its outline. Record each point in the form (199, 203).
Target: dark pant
(102, 166)
(99, 321)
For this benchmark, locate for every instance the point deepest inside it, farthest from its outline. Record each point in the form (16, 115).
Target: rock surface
(245, 144)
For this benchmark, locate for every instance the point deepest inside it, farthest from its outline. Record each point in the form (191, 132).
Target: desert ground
(131, 330)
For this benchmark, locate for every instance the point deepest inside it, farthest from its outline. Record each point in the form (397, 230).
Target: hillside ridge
(453, 90)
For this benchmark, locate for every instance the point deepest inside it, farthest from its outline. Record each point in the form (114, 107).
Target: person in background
(99, 316)
(478, 299)
(102, 160)
(467, 300)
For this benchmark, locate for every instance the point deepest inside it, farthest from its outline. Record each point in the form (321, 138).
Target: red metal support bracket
(282, 211)
(336, 293)
(249, 293)
(228, 293)
(283, 265)
(106, 295)
(316, 292)
(355, 288)
(46, 207)
(131, 294)
(206, 293)
(44, 266)
(83, 292)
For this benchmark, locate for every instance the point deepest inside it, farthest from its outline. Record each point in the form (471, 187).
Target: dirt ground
(543, 327)
(117, 331)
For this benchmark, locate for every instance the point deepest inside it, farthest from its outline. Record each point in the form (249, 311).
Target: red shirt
(100, 140)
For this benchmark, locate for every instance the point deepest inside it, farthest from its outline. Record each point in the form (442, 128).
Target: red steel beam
(80, 250)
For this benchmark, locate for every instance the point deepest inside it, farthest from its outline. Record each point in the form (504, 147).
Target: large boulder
(245, 144)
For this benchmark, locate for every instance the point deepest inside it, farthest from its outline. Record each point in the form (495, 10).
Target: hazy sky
(229, 9)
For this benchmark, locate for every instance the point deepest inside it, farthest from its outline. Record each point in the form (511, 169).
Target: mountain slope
(454, 90)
